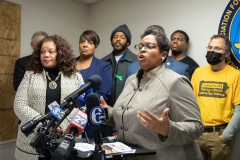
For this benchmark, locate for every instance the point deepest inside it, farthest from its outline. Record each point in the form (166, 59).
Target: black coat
(120, 69)
(19, 70)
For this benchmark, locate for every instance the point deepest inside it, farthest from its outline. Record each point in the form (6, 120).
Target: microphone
(96, 116)
(93, 82)
(74, 129)
(38, 140)
(28, 127)
(55, 111)
(82, 98)
(64, 148)
(78, 123)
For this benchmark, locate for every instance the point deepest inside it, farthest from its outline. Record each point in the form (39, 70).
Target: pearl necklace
(53, 84)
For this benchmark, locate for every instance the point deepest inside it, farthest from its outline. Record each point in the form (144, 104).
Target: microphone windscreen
(79, 122)
(95, 80)
(92, 100)
(96, 114)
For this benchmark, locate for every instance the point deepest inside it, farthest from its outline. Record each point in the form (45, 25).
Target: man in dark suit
(22, 63)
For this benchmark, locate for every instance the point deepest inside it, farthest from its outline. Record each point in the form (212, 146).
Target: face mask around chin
(214, 58)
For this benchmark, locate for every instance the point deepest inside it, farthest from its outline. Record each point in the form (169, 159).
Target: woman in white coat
(50, 77)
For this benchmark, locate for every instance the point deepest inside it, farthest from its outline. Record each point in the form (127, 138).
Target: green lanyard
(119, 77)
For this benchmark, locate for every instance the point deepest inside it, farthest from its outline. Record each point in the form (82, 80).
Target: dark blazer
(176, 66)
(101, 68)
(19, 70)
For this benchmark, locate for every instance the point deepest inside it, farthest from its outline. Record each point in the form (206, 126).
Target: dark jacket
(19, 70)
(119, 73)
(101, 68)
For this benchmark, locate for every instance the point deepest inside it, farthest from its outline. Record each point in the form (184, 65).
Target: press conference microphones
(96, 116)
(74, 129)
(69, 102)
(59, 114)
(55, 111)
(28, 127)
(78, 123)
(93, 82)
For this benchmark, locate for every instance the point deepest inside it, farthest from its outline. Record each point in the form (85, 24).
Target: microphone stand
(38, 139)
(41, 140)
(68, 141)
(98, 153)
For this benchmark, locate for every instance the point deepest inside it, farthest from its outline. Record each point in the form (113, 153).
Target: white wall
(63, 17)
(200, 19)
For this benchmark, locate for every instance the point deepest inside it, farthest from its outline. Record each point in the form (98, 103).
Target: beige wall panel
(9, 47)
(10, 29)
(10, 24)
(7, 92)
(9, 125)
(7, 64)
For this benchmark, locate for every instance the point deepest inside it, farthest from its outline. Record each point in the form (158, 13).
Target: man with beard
(216, 87)
(119, 59)
(179, 42)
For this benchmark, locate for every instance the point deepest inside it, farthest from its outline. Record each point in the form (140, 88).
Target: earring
(163, 58)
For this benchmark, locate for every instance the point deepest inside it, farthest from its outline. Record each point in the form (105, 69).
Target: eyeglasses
(214, 48)
(147, 46)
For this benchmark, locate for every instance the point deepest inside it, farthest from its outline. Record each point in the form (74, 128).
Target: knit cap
(122, 28)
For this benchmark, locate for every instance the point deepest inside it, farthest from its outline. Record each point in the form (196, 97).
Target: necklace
(53, 84)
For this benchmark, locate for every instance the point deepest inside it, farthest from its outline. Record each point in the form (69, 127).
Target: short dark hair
(90, 35)
(161, 37)
(156, 28)
(228, 44)
(184, 33)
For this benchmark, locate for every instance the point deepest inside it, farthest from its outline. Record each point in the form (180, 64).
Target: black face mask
(214, 58)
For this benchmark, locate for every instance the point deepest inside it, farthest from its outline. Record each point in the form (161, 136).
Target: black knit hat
(122, 28)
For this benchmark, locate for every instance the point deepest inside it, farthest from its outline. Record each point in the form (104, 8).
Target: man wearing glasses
(216, 87)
